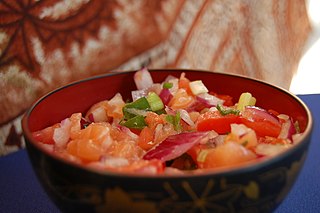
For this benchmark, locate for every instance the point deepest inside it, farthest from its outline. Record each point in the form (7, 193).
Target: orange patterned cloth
(48, 43)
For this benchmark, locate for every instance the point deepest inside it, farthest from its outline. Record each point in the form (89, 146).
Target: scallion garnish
(140, 104)
(155, 101)
(136, 122)
(167, 85)
(224, 111)
(174, 120)
(245, 99)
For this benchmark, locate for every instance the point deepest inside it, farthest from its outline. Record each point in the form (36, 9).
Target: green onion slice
(136, 122)
(224, 111)
(139, 104)
(174, 120)
(155, 102)
(167, 85)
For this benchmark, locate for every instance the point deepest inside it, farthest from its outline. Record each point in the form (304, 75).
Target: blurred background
(307, 77)
(45, 44)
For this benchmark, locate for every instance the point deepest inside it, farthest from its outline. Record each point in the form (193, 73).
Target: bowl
(253, 187)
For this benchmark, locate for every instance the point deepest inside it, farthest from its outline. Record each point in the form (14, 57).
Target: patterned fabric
(48, 43)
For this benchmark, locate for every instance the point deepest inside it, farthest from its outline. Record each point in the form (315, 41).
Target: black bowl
(252, 187)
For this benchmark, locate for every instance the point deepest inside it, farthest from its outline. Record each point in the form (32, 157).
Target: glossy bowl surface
(253, 187)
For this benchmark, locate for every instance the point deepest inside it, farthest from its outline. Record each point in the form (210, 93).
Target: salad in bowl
(175, 126)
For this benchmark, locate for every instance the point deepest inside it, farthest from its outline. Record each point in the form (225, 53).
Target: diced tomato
(85, 149)
(213, 120)
(228, 154)
(45, 135)
(120, 134)
(145, 140)
(263, 128)
(135, 131)
(181, 100)
(152, 119)
(75, 127)
(156, 131)
(184, 84)
(114, 106)
(127, 149)
(261, 121)
(89, 143)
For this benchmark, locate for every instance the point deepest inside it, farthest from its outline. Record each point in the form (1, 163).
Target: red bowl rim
(243, 168)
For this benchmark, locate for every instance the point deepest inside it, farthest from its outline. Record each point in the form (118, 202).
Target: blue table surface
(20, 190)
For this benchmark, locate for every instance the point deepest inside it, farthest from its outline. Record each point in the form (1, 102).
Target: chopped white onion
(197, 87)
(210, 139)
(114, 161)
(156, 88)
(143, 79)
(61, 135)
(296, 137)
(136, 94)
(175, 85)
(270, 149)
(157, 132)
(219, 140)
(169, 78)
(98, 115)
(287, 129)
(239, 129)
(186, 117)
(108, 141)
(208, 99)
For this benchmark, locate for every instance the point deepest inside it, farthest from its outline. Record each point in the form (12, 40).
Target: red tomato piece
(228, 154)
(261, 121)
(45, 135)
(145, 140)
(213, 120)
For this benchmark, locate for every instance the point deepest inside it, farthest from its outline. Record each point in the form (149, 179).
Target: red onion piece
(261, 121)
(259, 114)
(165, 96)
(175, 145)
(204, 100)
(208, 99)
